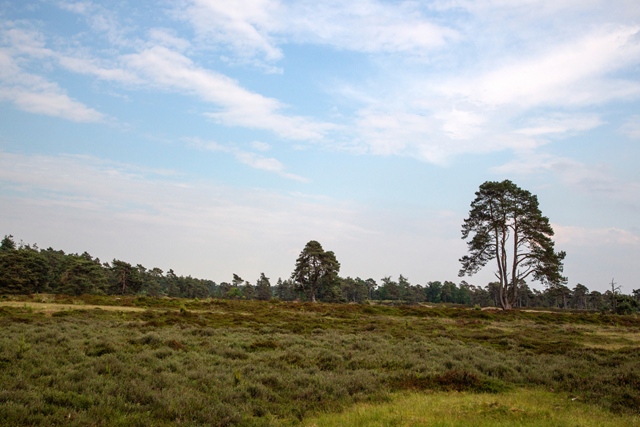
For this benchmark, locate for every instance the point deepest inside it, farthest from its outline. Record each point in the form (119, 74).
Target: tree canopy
(315, 270)
(507, 225)
(27, 269)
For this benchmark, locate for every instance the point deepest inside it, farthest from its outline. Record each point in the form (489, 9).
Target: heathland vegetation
(166, 361)
(87, 342)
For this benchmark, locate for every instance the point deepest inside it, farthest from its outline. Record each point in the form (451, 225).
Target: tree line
(27, 269)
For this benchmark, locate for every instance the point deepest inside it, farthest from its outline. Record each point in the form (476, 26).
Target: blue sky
(219, 137)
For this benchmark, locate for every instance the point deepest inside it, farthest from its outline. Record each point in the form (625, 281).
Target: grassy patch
(522, 407)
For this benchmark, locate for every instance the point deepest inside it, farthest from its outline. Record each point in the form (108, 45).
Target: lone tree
(315, 268)
(507, 225)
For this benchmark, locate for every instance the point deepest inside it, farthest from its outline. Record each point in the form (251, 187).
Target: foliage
(26, 269)
(82, 275)
(506, 221)
(626, 304)
(263, 288)
(7, 244)
(316, 272)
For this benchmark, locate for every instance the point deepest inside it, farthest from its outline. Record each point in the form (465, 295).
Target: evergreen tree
(8, 244)
(125, 279)
(263, 288)
(82, 276)
(23, 271)
(507, 226)
(405, 290)
(389, 289)
(248, 291)
(433, 292)
(154, 282)
(316, 269)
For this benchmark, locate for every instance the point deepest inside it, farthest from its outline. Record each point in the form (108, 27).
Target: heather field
(129, 361)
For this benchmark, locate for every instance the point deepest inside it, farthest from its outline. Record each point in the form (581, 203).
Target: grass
(523, 407)
(166, 362)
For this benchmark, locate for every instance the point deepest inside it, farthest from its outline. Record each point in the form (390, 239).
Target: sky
(216, 137)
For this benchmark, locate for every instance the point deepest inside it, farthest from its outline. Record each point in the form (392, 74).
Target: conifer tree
(507, 225)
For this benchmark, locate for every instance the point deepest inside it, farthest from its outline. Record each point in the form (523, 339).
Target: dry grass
(49, 308)
(522, 407)
(611, 339)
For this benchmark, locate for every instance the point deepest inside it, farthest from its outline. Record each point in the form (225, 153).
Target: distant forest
(27, 269)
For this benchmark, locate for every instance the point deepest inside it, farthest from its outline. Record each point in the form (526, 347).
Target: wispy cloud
(582, 236)
(595, 180)
(154, 66)
(476, 88)
(560, 124)
(254, 160)
(512, 102)
(35, 94)
(51, 102)
(573, 73)
(257, 27)
(243, 25)
(632, 127)
(101, 20)
(260, 146)
(367, 26)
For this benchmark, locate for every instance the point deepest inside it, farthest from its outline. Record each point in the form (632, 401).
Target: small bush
(263, 345)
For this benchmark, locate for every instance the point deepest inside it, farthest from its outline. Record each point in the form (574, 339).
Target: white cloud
(167, 37)
(50, 102)
(101, 20)
(537, 7)
(574, 73)
(268, 164)
(167, 69)
(366, 26)
(250, 159)
(260, 146)
(632, 127)
(79, 7)
(253, 27)
(598, 237)
(29, 46)
(511, 101)
(244, 25)
(561, 124)
(434, 135)
(35, 94)
(477, 87)
(514, 13)
(597, 180)
(94, 67)
(460, 124)
(155, 66)
(23, 41)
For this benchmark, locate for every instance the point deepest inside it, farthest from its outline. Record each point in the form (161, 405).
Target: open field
(143, 361)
